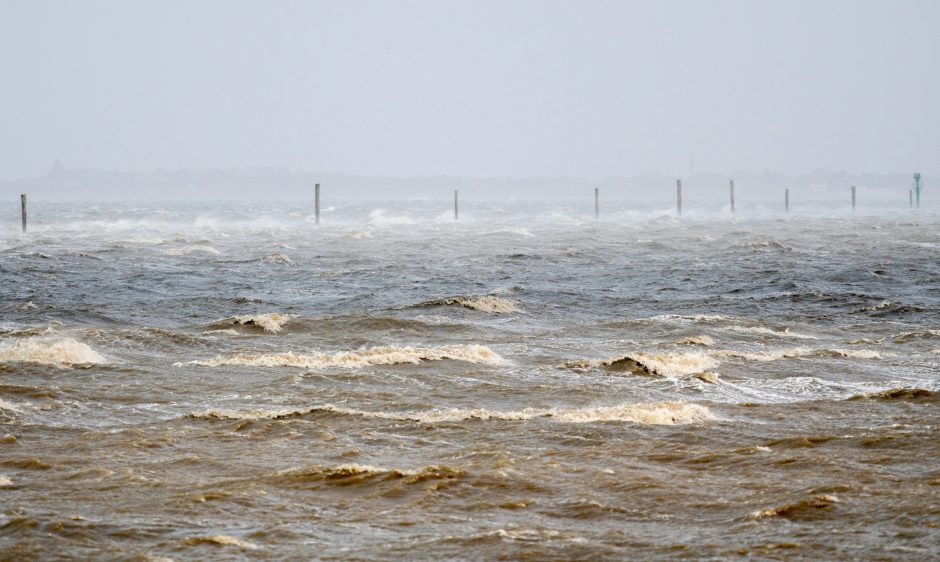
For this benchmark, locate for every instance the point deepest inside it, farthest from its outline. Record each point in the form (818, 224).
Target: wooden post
(786, 200)
(732, 197)
(910, 193)
(597, 203)
(23, 209)
(317, 203)
(455, 204)
(853, 197)
(679, 197)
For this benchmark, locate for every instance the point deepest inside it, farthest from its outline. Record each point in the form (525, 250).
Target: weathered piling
(597, 203)
(23, 209)
(731, 185)
(910, 193)
(679, 197)
(455, 205)
(317, 203)
(853, 197)
(786, 200)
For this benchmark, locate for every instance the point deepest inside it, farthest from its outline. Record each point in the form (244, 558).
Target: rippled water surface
(231, 381)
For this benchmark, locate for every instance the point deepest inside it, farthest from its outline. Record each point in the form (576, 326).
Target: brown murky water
(214, 385)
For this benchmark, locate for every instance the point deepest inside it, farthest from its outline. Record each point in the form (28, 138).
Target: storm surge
(234, 381)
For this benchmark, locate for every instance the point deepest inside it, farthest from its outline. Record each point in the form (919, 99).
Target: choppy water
(233, 382)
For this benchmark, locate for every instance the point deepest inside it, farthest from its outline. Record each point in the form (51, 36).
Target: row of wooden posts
(786, 198)
(597, 202)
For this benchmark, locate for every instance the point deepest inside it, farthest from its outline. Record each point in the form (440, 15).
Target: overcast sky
(476, 88)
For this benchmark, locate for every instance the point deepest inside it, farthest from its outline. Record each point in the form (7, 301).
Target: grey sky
(474, 88)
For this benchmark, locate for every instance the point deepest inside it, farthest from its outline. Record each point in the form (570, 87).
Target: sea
(231, 381)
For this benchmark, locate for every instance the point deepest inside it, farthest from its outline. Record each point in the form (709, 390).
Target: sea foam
(271, 322)
(657, 413)
(386, 355)
(488, 303)
(57, 352)
(220, 540)
(663, 364)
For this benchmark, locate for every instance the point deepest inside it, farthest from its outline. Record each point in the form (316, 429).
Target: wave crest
(352, 473)
(663, 364)
(809, 508)
(271, 322)
(186, 250)
(220, 540)
(386, 355)
(656, 413)
(488, 303)
(57, 352)
(797, 352)
(764, 331)
(896, 394)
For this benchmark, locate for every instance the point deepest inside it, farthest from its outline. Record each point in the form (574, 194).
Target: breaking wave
(810, 508)
(658, 413)
(186, 250)
(352, 473)
(220, 540)
(908, 336)
(387, 355)
(279, 259)
(57, 352)
(663, 364)
(797, 352)
(896, 394)
(489, 303)
(785, 333)
(271, 322)
(689, 318)
(704, 340)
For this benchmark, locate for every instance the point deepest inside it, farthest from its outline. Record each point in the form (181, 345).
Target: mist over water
(228, 380)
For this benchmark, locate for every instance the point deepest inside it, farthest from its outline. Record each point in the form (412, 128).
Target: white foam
(5, 481)
(797, 352)
(856, 353)
(271, 322)
(659, 413)
(786, 333)
(698, 340)
(386, 355)
(488, 303)
(676, 364)
(379, 217)
(663, 364)
(58, 352)
(763, 356)
(224, 540)
(9, 407)
(689, 318)
(280, 259)
(186, 250)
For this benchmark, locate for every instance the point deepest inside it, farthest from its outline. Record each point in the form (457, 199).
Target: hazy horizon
(470, 89)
